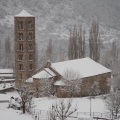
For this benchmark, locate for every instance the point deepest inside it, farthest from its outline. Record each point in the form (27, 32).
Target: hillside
(54, 18)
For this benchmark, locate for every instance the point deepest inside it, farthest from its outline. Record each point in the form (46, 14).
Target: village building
(7, 80)
(88, 70)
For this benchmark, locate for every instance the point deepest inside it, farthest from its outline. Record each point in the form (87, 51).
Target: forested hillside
(54, 19)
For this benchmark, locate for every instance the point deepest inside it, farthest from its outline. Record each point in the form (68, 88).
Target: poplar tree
(49, 50)
(8, 53)
(76, 48)
(94, 41)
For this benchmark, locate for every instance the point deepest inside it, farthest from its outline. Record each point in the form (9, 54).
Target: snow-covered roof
(45, 73)
(29, 80)
(50, 72)
(42, 74)
(6, 75)
(59, 83)
(6, 71)
(85, 66)
(24, 13)
(5, 80)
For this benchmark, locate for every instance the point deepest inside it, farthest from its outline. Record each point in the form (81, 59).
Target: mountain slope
(54, 18)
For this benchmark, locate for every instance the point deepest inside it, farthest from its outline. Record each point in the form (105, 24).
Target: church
(87, 69)
(25, 70)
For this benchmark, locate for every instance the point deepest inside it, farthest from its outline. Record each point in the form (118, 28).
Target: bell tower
(24, 27)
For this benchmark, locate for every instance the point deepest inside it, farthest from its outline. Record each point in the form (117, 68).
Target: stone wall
(85, 85)
(26, 72)
(101, 79)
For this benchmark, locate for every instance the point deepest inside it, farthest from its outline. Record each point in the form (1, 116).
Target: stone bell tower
(24, 26)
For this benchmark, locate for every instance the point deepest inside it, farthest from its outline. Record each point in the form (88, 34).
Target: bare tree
(0, 51)
(111, 57)
(61, 54)
(25, 91)
(112, 103)
(72, 48)
(94, 41)
(62, 110)
(49, 50)
(8, 53)
(73, 80)
(44, 87)
(81, 43)
(52, 115)
(114, 52)
(114, 82)
(37, 88)
(29, 103)
(106, 59)
(42, 58)
(113, 100)
(47, 87)
(36, 56)
(95, 88)
(76, 48)
(83, 46)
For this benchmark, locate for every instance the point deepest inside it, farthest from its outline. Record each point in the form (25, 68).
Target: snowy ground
(8, 95)
(83, 104)
(11, 114)
(44, 104)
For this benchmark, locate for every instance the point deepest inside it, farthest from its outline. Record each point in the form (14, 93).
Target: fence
(96, 114)
(4, 101)
(44, 115)
(40, 114)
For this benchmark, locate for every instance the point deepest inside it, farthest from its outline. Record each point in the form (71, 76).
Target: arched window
(20, 36)
(20, 66)
(29, 36)
(29, 24)
(21, 76)
(30, 46)
(21, 47)
(20, 57)
(31, 66)
(20, 25)
(30, 57)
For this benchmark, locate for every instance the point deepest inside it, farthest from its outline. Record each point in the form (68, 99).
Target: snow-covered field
(44, 104)
(83, 104)
(8, 95)
(11, 114)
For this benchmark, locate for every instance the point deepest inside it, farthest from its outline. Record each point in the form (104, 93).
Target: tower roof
(24, 13)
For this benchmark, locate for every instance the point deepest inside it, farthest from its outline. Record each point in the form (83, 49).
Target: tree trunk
(71, 94)
(116, 114)
(23, 108)
(37, 95)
